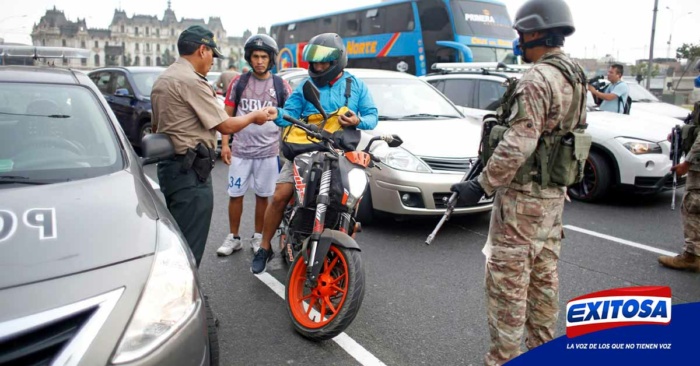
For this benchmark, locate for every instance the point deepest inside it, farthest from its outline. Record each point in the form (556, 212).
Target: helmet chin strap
(551, 40)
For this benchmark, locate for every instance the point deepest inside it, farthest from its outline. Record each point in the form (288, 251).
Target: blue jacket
(332, 98)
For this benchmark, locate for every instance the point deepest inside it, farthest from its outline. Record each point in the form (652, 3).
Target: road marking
(353, 348)
(622, 241)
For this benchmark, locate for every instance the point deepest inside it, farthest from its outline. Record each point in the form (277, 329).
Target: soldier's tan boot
(684, 261)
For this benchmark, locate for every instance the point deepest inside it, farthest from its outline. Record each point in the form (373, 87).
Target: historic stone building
(139, 40)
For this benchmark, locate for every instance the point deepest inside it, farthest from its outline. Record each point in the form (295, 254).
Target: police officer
(524, 241)
(185, 108)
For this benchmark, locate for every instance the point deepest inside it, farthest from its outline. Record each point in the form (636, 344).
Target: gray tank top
(256, 141)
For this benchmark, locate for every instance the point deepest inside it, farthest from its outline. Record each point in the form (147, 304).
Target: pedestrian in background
(185, 108)
(225, 79)
(252, 157)
(524, 241)
(614, 96)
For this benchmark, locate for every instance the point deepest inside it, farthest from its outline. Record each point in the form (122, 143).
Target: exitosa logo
(617, 308)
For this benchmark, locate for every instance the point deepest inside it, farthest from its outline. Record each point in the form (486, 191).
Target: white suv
(628, 153)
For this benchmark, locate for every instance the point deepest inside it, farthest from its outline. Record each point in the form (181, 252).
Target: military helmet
(326, 47)
(261, 42)
(541, 15)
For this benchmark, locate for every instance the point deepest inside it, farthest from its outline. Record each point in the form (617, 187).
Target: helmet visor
(318, 53)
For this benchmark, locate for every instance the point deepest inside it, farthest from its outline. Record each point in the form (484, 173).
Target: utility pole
(651, 45)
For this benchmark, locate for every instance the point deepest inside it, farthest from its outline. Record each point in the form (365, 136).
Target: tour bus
(407, 35)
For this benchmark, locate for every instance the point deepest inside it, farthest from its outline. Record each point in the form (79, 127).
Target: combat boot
(685, 261)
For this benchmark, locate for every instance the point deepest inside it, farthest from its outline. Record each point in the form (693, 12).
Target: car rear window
(55, 133)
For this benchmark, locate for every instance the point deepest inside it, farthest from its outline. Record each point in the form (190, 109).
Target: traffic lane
(423, 304)
(445, 282)
(643, 219)
(636, 267)
(254, 327)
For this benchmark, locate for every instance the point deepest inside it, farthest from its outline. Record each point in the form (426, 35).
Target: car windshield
(639, 94)
(408, 98)
(144, 81)
(54, 133)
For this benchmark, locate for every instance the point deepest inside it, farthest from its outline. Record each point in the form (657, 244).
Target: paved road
(425, 305)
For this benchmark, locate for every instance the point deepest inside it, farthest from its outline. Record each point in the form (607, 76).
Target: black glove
(469, 193)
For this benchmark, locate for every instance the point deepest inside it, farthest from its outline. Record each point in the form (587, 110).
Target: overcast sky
(621, 28)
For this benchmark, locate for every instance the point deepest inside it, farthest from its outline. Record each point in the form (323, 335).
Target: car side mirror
(156, 147)
(122, 92)
(313, 96)
(396, 141)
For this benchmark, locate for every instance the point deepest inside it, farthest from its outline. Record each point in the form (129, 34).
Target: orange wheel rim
(315, 308)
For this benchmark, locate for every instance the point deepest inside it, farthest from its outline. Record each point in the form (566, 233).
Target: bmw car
(629, 152)
(93, 268)
(439, 146)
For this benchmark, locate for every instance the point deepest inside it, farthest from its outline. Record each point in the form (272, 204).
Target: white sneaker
(230, 245)
(255, 243)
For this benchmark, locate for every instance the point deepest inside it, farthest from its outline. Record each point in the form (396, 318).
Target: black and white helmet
(261, 42)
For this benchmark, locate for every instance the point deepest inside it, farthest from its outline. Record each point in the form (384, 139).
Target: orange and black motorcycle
(326, 281)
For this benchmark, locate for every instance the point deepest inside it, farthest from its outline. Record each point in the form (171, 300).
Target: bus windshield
(482, 19)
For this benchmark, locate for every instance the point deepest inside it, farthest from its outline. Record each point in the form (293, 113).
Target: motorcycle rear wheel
(328, 309)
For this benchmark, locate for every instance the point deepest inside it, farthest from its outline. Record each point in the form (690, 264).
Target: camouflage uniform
(524, 241)
(690, 210)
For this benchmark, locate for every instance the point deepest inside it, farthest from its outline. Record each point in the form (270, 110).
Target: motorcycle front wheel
(325, 311)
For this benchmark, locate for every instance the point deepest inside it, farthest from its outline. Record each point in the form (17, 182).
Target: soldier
(524, 241)
(690, 210)
(185, 108)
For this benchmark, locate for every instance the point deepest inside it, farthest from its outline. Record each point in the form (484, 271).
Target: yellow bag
(295, 141)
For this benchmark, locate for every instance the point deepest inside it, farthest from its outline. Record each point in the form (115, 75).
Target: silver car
(93, 269)
(440, 144)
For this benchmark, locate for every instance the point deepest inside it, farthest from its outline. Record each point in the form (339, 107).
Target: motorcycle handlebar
(312, 130)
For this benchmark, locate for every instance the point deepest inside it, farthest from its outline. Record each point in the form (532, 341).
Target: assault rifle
(473, 173)
(490, 120)
(675, 159)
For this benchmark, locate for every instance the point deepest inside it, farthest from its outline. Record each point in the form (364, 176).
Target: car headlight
(168, 300)
(399, 158)
(639, 147)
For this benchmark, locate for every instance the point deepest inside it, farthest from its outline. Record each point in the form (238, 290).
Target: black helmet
(540, 15)
(326, 47)
(261, 42)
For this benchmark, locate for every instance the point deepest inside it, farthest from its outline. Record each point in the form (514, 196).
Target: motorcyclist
(340, 92)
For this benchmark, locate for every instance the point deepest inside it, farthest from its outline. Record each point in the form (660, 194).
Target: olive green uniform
(185, 108)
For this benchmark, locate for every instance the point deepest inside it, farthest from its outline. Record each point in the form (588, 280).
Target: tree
(688, 51)
(641, 69)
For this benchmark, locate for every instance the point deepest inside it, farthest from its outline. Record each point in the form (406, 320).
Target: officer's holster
(201, 159)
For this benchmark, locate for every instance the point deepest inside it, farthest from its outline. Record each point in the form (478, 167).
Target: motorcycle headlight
(168, 300)
(399, 158)
(639, 147)
(357, 181)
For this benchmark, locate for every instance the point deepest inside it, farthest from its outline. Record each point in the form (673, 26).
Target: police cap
(200, 35)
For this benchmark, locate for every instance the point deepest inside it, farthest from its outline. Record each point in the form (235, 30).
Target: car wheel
(365, 213)
(596, 179)
(213, 335)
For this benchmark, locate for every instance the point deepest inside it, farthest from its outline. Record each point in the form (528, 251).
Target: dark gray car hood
(98, 222)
